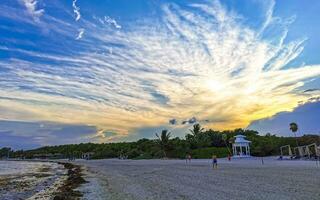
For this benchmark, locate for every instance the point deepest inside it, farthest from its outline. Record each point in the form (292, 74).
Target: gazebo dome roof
(241, 139)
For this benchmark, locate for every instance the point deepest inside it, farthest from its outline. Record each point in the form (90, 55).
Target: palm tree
(294, 129)
(164, 141)
(199, 139)
(224, 138)
(197, 130)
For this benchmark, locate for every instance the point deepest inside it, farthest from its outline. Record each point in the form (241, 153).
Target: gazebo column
(244, 146)
(233, 149)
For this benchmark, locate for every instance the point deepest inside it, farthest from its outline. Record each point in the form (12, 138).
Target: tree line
(199, 143)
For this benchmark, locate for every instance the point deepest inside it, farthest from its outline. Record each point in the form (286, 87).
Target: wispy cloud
(111, 21)
(80, 34)
(106, 20)
(31, 6)
(198, 61)
(76, 10)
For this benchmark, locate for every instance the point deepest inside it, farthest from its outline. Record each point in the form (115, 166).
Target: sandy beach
(30, 180)
(114, 179)
(173, 179)
(35, 179)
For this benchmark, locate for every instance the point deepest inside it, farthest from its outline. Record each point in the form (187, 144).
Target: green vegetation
(294, 128)
(209, 151)
(5, 152)
(198, 142)
(164, 141)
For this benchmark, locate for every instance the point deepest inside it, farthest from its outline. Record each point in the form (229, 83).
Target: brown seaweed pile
(67, 190)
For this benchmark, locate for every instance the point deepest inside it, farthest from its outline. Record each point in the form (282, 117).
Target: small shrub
(143, 156)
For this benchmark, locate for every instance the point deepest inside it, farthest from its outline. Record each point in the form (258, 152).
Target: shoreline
(74, 181)
(40, 179)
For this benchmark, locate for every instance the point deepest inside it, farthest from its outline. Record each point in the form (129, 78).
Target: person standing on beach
(214, 162)
(188, 158)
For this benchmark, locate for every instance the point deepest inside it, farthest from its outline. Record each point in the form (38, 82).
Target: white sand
(173, 179)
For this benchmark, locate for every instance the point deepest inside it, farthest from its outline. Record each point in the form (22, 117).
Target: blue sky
(104, 71)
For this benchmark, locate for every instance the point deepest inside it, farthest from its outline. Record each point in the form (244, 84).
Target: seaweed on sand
(67, 190)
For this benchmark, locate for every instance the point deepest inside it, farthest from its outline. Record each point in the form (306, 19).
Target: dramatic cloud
(173, 121)
(190, 121)
(307, 116)
(198, 60)
(26, 135)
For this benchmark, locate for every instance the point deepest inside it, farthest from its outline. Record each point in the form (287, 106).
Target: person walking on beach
(214, 162)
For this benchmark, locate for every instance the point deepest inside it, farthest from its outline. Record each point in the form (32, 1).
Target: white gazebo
(241, 146)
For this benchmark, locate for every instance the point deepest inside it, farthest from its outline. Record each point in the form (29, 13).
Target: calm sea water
(18, 167)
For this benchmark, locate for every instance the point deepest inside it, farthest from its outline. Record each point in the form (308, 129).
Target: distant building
(87, 155)
(241, 146)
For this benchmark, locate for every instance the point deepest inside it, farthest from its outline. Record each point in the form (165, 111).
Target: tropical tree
(198, 137)
(225, 138)
(164, 141)
(197, 130)
(5, 152)
(294, 129)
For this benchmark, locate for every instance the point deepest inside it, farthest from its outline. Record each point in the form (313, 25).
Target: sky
(118, 70)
